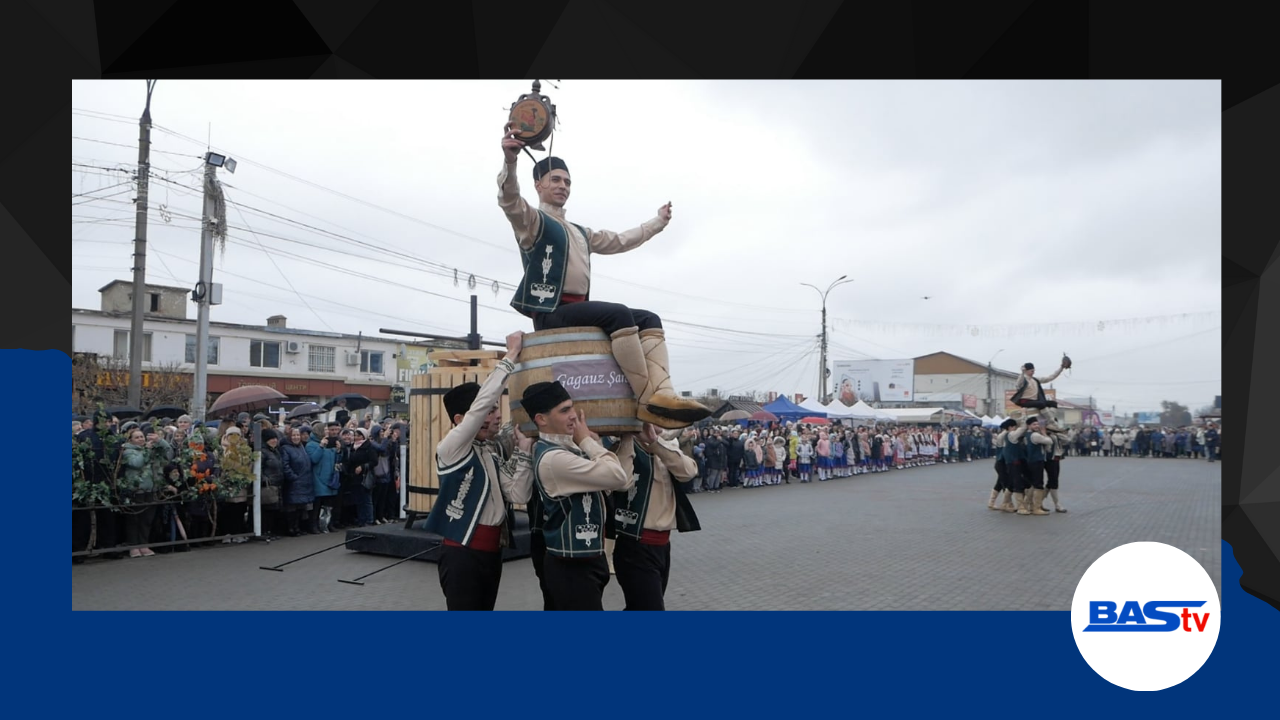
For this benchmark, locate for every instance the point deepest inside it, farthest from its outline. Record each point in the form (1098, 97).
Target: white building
(305, 365)
(946, 380)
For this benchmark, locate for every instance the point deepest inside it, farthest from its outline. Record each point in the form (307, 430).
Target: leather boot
(658, 397)
(991, 504)
(629, 355)
(1057, 504)
(1019, 501)
(1037, 503)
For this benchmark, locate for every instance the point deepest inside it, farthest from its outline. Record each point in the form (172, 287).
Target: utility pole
(206, 293)
(136, 332)
(203, 289)
(822, 371)
(991, 374)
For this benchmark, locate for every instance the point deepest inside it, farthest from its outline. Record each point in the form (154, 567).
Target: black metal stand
(398, 562)
(277, 568)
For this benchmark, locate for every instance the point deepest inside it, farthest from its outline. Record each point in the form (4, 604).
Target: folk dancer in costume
(471, 512)
(1053, 466)
(1029, 393)
(556, 288)
(572, 473)
(1004, 483)
(645, 514)
(1035, 447)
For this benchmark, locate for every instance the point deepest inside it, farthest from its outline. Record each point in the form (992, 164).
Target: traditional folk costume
(779, 449)
(555, 292)
(837, 457)
(1004, 483)
(1029, 393)
(824, 457)
(472, 511)
(1053, 467)
(1035, 447)
(644, 516)
(571, 482)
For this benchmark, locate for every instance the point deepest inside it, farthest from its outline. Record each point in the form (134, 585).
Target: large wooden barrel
(581, 358)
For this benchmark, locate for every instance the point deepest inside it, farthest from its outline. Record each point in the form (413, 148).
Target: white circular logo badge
(1146, 616)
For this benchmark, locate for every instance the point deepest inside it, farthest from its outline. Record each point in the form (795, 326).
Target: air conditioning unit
(293, 347)
(353, 358)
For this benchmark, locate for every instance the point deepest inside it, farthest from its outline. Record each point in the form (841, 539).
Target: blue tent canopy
(787, 410)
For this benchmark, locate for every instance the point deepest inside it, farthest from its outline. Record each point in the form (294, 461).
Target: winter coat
(299, 486)
(324, 480)
(138, 468)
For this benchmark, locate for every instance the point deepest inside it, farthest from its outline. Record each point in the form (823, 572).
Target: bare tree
(97, 379)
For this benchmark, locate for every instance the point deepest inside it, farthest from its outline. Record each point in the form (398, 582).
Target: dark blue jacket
(299, 487)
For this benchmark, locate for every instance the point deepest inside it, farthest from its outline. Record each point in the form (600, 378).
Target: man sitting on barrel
(556, 287)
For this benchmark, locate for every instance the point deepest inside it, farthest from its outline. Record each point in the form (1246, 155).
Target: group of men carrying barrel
(578, 492)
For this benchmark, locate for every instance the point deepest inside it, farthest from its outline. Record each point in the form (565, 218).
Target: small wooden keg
(581, 358)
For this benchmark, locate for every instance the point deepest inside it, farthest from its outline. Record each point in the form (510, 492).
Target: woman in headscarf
(359, 464)
(299, 483)
(272, 485)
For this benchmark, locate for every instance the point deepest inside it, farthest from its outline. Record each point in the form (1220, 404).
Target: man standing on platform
(556, 288)
(646, 514)
(470, 512)
(572, 472)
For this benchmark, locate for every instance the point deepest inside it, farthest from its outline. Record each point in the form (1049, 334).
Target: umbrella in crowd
(764, 416)
(124, 412)
(736, 415)
(355, 401)
(245, 399)
(305, 410)
(815, 421)
(172, 412)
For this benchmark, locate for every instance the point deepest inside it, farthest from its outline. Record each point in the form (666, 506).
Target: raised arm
(608, 242)
(457, 442)
(1052, 377)
(524, 219)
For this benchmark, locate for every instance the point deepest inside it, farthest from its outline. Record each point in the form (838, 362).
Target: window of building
(155, 301)
(211, 352)
(120, 347)
(370, 362)
(264, 354)
(321, 358)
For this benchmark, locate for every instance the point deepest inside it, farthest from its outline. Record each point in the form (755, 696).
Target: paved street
(919, 539)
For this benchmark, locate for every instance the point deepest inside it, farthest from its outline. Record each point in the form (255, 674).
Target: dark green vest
(1035, 453)
(1013, 451)
(546, 263)
(632, 506)
(573, 526)
(464, 486)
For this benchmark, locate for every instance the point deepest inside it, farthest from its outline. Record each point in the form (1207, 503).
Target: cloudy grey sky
(1037, 217)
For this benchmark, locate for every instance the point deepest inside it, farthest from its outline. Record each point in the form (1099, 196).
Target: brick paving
(918, 539)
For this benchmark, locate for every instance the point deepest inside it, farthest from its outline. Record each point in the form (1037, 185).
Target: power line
(277, 267)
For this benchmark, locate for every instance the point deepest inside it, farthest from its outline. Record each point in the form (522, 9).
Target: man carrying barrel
(556, 288)
(572, 473)
(470, 512)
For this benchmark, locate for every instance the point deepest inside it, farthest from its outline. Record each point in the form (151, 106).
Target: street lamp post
(822, 371)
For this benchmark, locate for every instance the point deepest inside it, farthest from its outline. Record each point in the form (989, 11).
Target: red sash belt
(653, 537)
(567, 298)
(487, 538)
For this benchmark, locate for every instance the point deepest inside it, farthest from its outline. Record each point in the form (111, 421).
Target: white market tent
(812, 405)
(837, 411)
(917, 415)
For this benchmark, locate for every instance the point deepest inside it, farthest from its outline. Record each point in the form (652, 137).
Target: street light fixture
(823, 372)
(222, 161)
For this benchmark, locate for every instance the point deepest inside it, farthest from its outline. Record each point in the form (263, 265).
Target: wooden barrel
(581, 358)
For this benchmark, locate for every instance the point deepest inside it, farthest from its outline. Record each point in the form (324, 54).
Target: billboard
(874, 381)
(1009, 407)
(1147, 418)
(970, 402)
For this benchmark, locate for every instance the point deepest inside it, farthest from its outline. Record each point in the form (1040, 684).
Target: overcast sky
(1033, 215)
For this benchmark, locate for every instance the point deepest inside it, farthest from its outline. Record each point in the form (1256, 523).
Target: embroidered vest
(464, 486)
(546, 263)
(632, 506)
(573, 526)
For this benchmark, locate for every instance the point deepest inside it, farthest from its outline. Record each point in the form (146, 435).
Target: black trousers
(469, 578)
(1002, 477)
(538, 553)
(642, 572)
(610, 317)
(1035, 474)
(1052, 468)
(577, 583)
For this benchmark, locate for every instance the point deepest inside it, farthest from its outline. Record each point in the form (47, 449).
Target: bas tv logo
(1104, 617)
(1129, 633)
